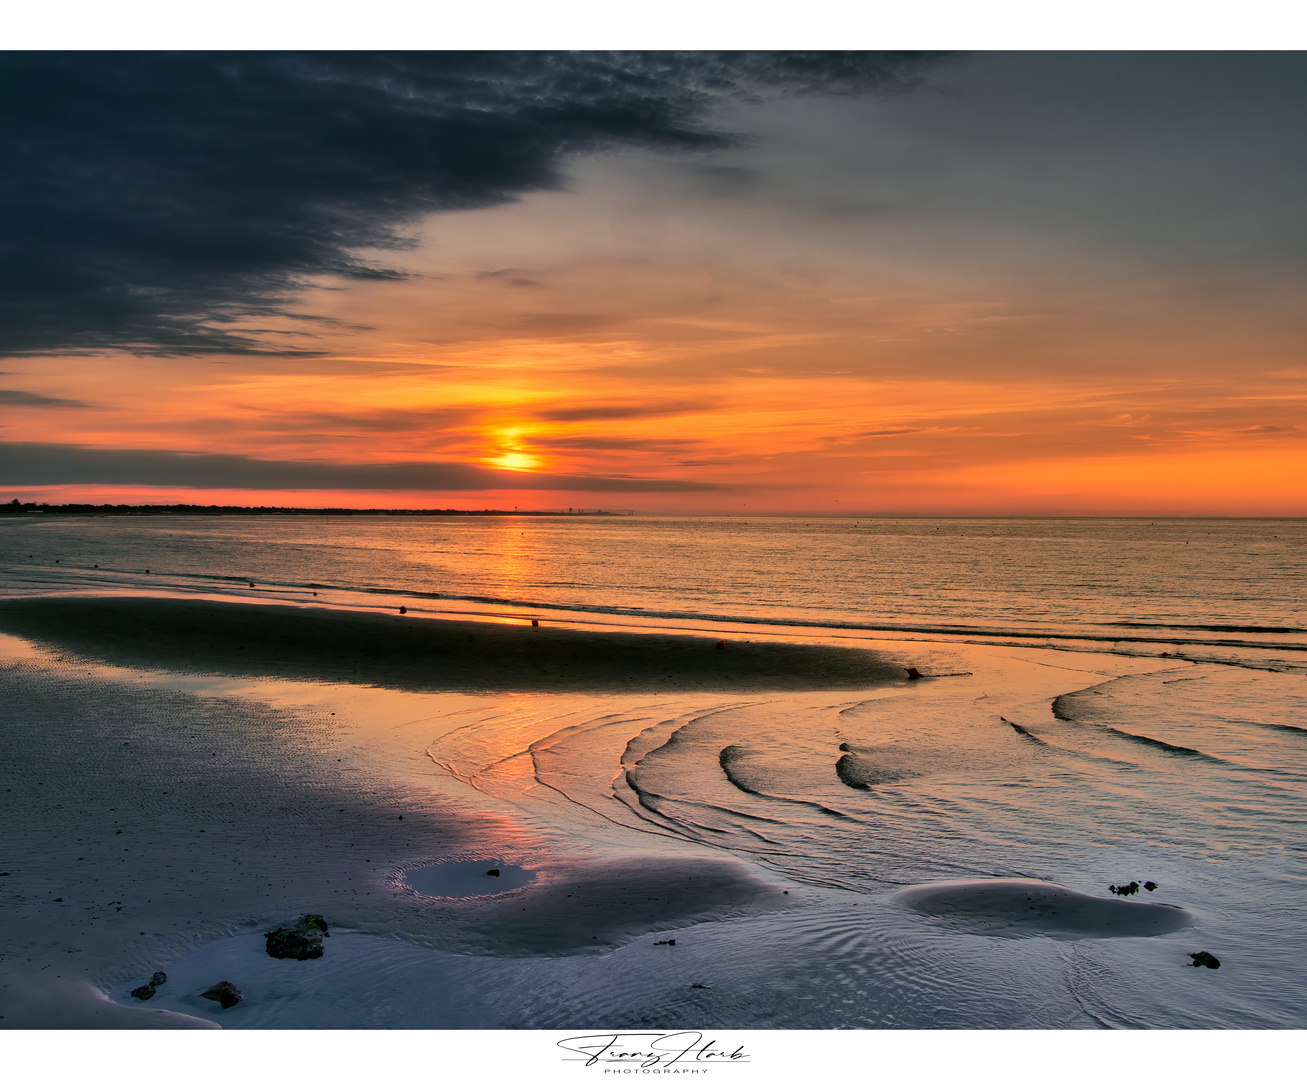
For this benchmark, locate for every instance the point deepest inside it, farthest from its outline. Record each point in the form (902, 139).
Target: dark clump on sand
(303, 941)
(215, 637)
(224, 993)
(1204, 959)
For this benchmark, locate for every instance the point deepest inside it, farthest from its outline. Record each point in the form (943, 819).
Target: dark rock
(144, 992)
(492, 873)
(699, 986)
(158, 978)
(1150, 885)
(1124, 890)
(303, 941)
(1205, 959)
(669, 941)
(224, 993)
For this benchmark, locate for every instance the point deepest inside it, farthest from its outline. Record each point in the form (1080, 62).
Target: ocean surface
(1108, 701)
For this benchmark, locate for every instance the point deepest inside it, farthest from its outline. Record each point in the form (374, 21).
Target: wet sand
(162, 822)
(148, 816)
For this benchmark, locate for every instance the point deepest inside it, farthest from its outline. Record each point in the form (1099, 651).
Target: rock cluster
(1131, 889)
(144, 993)
(224, 993)
(303, 941)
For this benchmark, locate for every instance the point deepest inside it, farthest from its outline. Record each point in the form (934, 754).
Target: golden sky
(1031, 284)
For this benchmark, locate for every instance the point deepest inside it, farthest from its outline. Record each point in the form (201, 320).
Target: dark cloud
(627, 411)
(161, 201)
(584, 442)
(38, 464)
(40, 401)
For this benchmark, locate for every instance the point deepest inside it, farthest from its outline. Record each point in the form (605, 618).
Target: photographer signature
(649, 1050)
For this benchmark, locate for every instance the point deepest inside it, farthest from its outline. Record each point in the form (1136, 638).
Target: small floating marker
(147, 571)
(251, 584)
(402, 609)
(535, 622)
(721, 644)
(913, 673)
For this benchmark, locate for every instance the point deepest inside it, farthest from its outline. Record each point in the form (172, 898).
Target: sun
(515, 460)
(512, 453)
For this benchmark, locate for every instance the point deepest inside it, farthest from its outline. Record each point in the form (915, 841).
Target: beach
(193, 817)
(215, 797)
(830, 842)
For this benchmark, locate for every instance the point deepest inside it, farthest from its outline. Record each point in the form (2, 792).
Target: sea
(1103, 701)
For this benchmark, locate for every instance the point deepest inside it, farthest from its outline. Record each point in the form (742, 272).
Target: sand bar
(409, 653)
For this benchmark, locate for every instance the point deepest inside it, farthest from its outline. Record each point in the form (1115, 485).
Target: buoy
(913, 673)
(535, 622)
(251, 584)
(721, 644)
(403, 610)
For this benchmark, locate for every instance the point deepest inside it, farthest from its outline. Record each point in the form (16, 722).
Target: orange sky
(863, 308)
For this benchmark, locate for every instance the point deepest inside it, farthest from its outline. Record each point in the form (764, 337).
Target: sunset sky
(982, 283)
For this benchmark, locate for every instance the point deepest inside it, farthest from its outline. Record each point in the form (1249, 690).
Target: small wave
(1170, 748)
(857, 771)
(1022, 731)
(729, 756)
(1035, 632)
(1214, 628)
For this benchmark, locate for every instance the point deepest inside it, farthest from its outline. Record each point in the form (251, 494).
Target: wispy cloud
(39, 401)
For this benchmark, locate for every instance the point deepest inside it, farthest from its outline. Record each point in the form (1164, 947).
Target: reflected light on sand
(482, 877)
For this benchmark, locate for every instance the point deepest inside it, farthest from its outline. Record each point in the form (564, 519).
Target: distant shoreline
(16, 507)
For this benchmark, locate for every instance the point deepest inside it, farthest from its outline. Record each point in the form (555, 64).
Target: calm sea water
(1159, 580)
(1186, 763)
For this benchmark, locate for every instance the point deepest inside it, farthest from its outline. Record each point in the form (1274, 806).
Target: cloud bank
(158, 202)
(41, 464)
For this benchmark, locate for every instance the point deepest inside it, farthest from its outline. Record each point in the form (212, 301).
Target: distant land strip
(16, 507)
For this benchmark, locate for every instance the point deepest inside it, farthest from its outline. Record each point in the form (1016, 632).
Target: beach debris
(913, 673)
(721, 644)
(1204, 959)
(669, 941)
(1124, 890)
(403, 610)
(1150, 885)
(224, 993)
(493, 873)
(535, 622)
(158, 978)
(303, 941)
(144, 993)
(699, 986)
